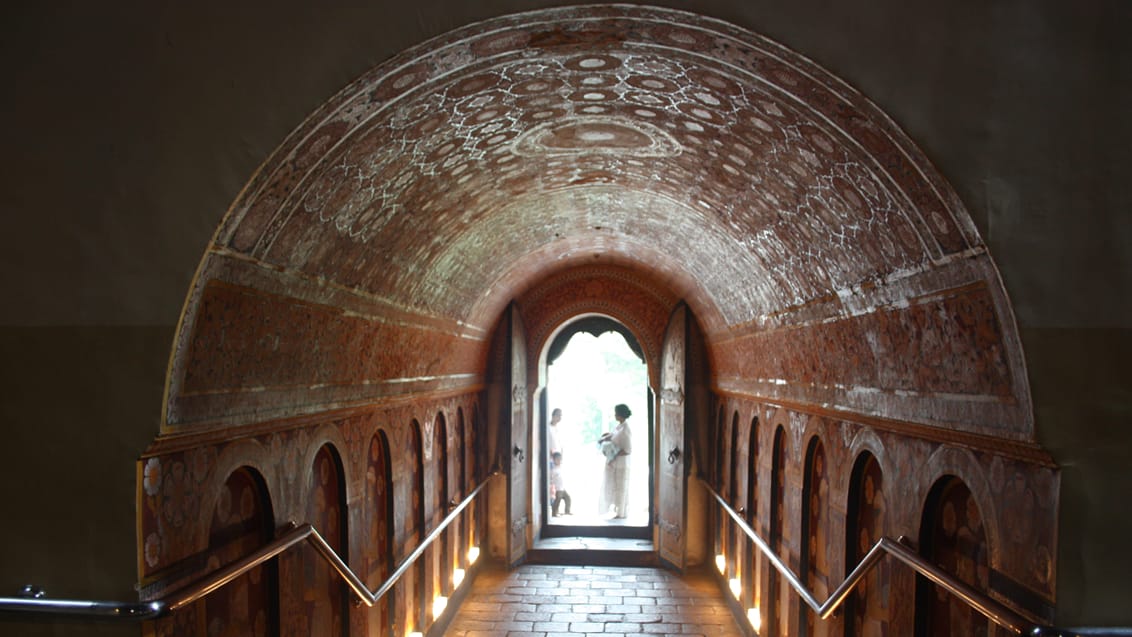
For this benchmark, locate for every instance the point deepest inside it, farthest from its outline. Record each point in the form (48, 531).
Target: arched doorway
(593, 364)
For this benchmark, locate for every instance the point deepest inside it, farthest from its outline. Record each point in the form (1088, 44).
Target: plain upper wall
(130, 130)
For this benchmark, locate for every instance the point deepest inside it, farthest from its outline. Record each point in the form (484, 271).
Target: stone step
(592, 551)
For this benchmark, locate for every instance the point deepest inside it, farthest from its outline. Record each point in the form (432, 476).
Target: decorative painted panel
(817, 541)
(379, 504)
(320, 607)
(867, 612)
(241, 523)
(955, 539)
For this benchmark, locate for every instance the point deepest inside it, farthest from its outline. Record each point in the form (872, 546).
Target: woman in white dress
(616, 446)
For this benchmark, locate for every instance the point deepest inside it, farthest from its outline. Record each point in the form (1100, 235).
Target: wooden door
(673, 456)
(520, 453)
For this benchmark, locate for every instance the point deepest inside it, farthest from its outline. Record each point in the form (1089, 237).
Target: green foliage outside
(590, 377)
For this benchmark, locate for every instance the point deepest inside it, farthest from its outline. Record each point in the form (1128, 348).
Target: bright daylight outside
(589, 378)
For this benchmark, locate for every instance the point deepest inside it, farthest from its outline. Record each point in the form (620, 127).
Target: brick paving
(548, 601)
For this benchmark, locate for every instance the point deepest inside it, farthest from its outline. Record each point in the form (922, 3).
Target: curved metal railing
(1018, 621)
(32, 600)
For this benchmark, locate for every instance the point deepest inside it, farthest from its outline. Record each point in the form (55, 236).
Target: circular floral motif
(224, 505)
(179, 497)
(152, 550)
(151, 477)
(593, 63)
(201, 462)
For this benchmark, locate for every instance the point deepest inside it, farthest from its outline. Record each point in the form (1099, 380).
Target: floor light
(736, 587)
(438, 605)
(721, 563)
(755, 618)
(473, 554)
(457, 577)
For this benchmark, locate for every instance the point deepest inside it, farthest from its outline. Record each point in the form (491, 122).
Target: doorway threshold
(636, 526)
(593, 551)
(597, 531)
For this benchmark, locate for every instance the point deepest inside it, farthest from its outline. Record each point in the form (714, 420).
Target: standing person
(558, 485)
(616, 446)
(553, 447)
(553, 442)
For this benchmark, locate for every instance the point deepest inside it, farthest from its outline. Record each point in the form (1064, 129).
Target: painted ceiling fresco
(647, 134)
(825, 259)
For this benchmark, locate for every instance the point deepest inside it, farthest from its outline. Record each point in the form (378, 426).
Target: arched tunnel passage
(616, 160)
(807, 232)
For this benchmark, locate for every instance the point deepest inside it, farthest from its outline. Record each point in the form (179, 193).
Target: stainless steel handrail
(1017, 621)
(140, 611)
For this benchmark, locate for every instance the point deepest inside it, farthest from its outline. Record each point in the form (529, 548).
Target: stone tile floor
(548, 601)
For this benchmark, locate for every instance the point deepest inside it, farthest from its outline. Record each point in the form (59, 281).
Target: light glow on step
(755, 618)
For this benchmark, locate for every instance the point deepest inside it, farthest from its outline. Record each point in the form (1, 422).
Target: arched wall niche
(953, 535)
(316, 594)
(413, 586)
(867, 608)
(439, 489)
(777, 601)
(379, 563)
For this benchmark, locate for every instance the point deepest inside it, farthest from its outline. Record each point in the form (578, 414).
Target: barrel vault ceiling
(762, 190)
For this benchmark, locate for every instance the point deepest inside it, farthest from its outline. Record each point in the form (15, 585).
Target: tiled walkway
(548, 601)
